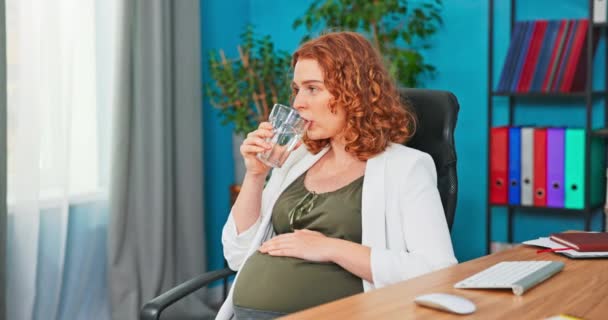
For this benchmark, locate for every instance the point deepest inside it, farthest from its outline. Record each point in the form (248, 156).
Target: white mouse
(446, 302)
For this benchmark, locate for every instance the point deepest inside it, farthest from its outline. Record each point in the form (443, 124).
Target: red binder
(499, 165)
(540, 167)
(531, 60)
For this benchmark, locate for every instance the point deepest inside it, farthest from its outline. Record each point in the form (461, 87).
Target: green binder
(597, 175)
(574, 167)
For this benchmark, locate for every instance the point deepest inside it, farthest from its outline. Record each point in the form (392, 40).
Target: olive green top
(286, 284)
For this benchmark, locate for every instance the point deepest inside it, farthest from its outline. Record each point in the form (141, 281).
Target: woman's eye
(312, 89)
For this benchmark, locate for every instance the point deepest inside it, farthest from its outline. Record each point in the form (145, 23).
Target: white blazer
(402, 217)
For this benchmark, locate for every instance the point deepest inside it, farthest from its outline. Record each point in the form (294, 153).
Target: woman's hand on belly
(303, 244)
(314, 246)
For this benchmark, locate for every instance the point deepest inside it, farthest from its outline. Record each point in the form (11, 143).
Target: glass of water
(288, 128)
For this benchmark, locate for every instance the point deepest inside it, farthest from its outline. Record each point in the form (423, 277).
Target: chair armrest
(153, 308)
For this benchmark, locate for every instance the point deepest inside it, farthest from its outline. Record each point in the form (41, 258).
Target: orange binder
(540, 167)
(499, 165)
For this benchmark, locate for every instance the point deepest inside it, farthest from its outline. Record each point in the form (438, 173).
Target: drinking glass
(288, 128)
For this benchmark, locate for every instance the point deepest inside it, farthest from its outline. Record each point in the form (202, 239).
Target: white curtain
(59, 63)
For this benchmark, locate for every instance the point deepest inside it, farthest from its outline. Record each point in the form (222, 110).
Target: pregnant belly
(286, 284)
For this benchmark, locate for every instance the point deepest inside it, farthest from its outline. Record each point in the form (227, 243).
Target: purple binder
(555, 167)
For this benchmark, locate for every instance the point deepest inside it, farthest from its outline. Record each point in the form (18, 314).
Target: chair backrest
(437, 112)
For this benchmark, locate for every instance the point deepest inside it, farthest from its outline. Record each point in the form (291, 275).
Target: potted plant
(245, 88)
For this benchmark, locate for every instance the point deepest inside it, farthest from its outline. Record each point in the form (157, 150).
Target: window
(56, 123)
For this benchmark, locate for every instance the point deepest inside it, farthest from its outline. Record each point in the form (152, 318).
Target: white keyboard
(516, 275)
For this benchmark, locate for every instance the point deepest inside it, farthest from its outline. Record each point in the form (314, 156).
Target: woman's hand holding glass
(254, 144)
(288, 128)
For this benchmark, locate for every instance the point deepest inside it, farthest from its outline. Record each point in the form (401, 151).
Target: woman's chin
(312, 136)
(315, 135)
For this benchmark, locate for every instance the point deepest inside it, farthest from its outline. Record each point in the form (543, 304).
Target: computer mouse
(446, 302)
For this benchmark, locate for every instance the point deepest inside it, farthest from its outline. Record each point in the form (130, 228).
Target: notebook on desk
(583, 241)
(546, 242)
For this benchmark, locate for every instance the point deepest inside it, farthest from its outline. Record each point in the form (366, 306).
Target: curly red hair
(358, 81)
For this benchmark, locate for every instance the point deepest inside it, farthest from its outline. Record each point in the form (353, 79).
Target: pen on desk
(552, 250)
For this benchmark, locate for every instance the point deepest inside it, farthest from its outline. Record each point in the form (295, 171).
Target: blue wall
(221, 24)
(460, 55)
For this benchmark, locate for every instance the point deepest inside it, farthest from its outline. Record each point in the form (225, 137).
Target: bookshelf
(588, 95)
(594, 94)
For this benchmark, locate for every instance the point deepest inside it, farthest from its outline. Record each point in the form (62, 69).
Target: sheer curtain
(59, 60)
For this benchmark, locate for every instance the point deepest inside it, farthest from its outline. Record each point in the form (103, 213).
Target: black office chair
(437, 112)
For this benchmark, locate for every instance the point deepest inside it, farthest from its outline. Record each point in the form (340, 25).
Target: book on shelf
(523, 47)
(565, 56)
(547, 56)
(505, 77)
(531, 58)
(576, 78)
(556, 52)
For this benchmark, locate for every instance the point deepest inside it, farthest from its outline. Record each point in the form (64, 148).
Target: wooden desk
(580, 289)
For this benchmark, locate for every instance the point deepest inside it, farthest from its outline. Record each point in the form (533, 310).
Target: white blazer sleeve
(424, 228)
(236, 246)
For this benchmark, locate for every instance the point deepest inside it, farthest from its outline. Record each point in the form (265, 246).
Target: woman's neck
(338, 154)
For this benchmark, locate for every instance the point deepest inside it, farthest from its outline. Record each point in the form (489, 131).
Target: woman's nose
(298, 102)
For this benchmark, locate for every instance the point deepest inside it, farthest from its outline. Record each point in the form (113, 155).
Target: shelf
(546, 209)
(602, 133)
(600, 25)
(547, 94)
(588, 97)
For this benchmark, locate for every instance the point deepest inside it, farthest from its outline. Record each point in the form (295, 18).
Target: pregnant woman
(352, 209)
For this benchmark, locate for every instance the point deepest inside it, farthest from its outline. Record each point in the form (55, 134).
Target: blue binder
(515, 165)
